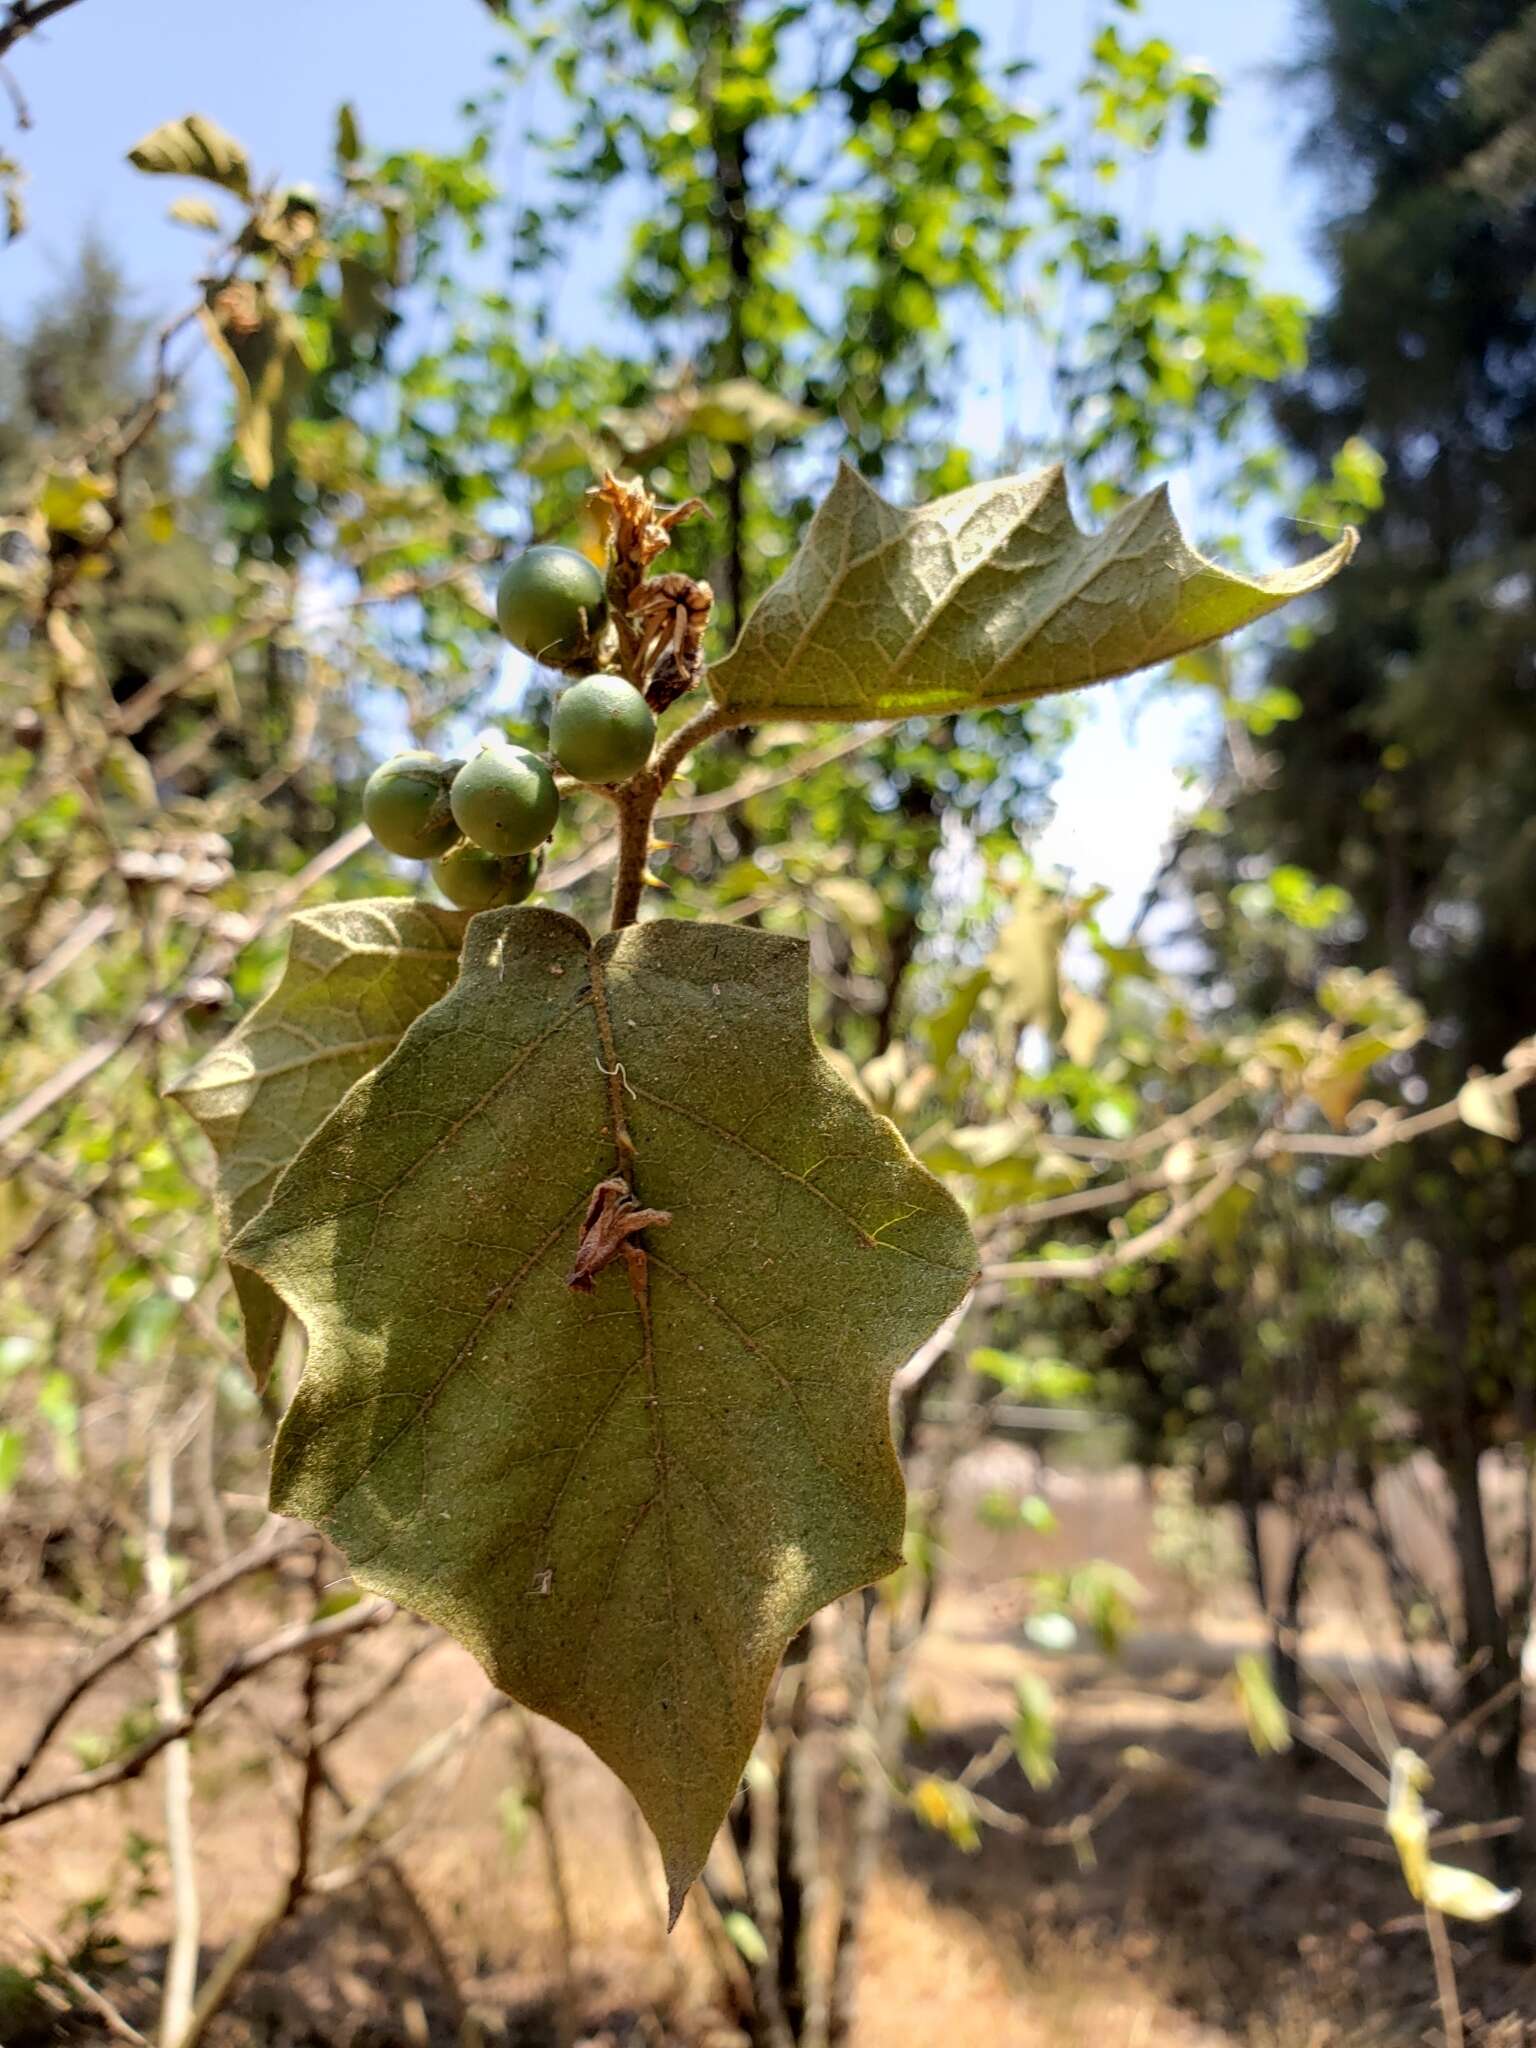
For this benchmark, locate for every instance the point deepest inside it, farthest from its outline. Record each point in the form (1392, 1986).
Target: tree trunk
(1493, 1662)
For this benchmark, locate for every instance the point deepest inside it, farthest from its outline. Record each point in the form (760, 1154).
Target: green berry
(505, 800)
(405, 805)
(550, 602)
(477, 880)
(602, 730)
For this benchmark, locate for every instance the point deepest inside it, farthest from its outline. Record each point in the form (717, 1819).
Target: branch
(26, 15)
(1141, 1246)
(87, 1993)
(170, 1002)
(761, 780)
(136, 711)
(296, 1639)
(179, 1987)
(704, 725)
(434, 1751)
(1393, 1128)
(277, 1541)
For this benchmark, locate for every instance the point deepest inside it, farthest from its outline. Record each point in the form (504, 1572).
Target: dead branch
(294, 1640)
(278, 1540)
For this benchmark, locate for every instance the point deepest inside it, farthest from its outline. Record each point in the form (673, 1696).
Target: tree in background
(827, 200)
(1408, 773)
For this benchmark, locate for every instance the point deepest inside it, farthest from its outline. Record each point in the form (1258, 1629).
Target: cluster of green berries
(482, 823)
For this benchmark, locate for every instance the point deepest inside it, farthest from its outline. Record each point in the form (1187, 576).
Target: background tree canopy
(1247, 1367)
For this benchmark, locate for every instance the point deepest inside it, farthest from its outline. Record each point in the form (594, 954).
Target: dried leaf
(1485, 1108)
(195, 148)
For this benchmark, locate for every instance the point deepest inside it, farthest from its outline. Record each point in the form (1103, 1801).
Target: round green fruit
(505, 800)
(477, 880)
(405, 805)
(550, 602)
(602, 730)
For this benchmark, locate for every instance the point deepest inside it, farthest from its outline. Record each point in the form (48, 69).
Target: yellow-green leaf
(72, 501)
(195, 148)
(1025, 964)
(1269, 1729)
(948, 1809)
(626, 1502)
(1034, 1730)
(357, 975)
(1484, 1108)
(989, 596)
(195, 213)
(1464, 1894)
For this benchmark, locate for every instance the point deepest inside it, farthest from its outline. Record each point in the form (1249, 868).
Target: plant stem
(180, 1988)
(636, 805)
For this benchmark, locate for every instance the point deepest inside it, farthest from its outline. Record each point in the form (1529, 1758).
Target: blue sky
(108, 70)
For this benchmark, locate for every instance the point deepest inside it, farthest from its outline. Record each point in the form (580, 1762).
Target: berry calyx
(476, 880)
(406, 807)
(505, 800)
(549, 603)
(602, 730)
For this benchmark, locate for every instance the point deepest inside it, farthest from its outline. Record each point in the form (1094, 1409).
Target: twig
(26, 15)
(159, 1009)
(277, 1541)
(136, 711)
(1339, 1753)
(759, 781)
(1470, 1722)
(554, 1865)
(704, 725)
(1445, 1979)
(341, 1723)
(1139, 1247)
(180, 1983)
(434, 1751)
(298, 1638)
(96, 2001)
(239, 1954)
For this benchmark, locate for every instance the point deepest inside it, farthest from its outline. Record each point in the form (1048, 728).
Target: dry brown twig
(298, 1638)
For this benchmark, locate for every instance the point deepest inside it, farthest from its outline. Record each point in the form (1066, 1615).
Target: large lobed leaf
(626, 1502)
(357, 974)
(989, 596)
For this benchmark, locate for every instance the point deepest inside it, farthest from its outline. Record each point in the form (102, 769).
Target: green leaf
(746, 1937)
(1034, 1730)
(989, 596)
(1269, 1729)
(13, 1453)
(349, 139)
(357, 975)
(195, 148)
(516, 1817)
(625, 1501)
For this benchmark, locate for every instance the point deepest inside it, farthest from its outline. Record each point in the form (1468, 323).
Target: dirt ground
(1214, 1911)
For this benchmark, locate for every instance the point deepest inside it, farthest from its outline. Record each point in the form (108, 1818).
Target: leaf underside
(989, 596)
(626, 1502)
(356, 976)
